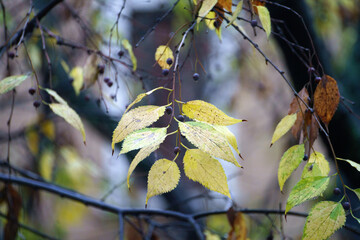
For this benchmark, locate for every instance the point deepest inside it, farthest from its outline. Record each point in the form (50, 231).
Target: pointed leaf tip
(283, 127)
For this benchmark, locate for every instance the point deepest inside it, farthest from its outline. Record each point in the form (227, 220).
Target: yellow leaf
(324, 219)
(163, 177)
(352, 163)
(90, 72)
(207, 139)
(143, 138)
(9, 83)
(239, 229)
(128, 47)
(236, 13)
(205, 8)
(265, 20)
(141, 96)
(218, 32)
(46, 164)
(289, 162)
(162, 54)
(229, 136)
(136, 119)
(206, 112)
(316, 166)
(32, 140)
(56, 96)
(78, 76)
(201, 167)
(283, 127)
(47, 127)
(210, 20)
(211, 236)
(141, 155)
(70, 116)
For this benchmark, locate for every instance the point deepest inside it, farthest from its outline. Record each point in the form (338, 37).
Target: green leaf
(283, 127)
(223, 130)
(137, 118)
(201, 167)
(305, 189)
(324, 219)
(163, 177)
(236, 13)
(141, 155)
(289, 162)
(352, 163)
(128, 47)
(265, 20)
(9, 83)
(143, 138)
(316, 166)
(207, 139)
(70, 116)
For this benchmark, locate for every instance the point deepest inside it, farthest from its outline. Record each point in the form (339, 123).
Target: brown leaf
(224, 4)
(314, 132)
(238, 230)
(294, 107)
(326, 98)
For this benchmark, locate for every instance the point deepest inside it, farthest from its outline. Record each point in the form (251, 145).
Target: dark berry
(113, 96)
(311, 70)
(106, 80)
(337, 191)
(346, 205)
(11, 55)
(306, 157)
(253, 23)
(87, 98)
(101, 68)
(168, 110)
(165, 72)
(32, 91)
(181, 118)
(176, 150)
(317, 79)
(196, 76)
(110, 83)
(169, 61)
(36, 103)
(216, 24)
(71, 80)
(121, 53)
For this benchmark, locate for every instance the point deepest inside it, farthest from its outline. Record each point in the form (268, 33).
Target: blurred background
(233, 76)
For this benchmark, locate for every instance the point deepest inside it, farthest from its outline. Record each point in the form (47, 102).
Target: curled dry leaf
(299, 110)
(326, 98)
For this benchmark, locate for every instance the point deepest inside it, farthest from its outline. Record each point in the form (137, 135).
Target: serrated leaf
(143, 138)
(316, 166)
(283, 127)
(236, 13)
(324, 219)
(201, 167)
(206, 112)
(205, 8)
(56, 96)
(207, 139)
(78, 76)
(70, 116)
(289, 162)
(136, 119)
(163, 177)
(229, 136)
(128, 47)
(9, 83)
(90, 72)
(162, 54)
(141, 96)
(305, 189)
(141, 155)
(265, 20)
(352, 163)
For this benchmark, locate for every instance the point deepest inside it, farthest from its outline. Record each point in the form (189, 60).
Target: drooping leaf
(143, 138)
(162, 54)
(70, 116)
(326, 98)
(229, 136)
(141, 96)
(283, 127)
(305, 189)
(163, 177)
(128, 47)
(289, 162)
(90, 73)
(207, 139)
(324, 219)
(56, 96)
(294, 108)
(206, 112)
(141, 155)
(265, 20)
(236, 12)
(78, 76)
(316, 166)
(352, 163)
(9, 83)
(238, 228)
(201, 167)
(136, 119)
(205, 8)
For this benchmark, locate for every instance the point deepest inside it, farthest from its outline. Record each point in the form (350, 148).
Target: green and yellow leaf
(236, 13)
(9, 83)
(352, 163)
(289, 162)
(141, 96)
(70, 116)
(143, 138)
(201, 167)
(210, 20)
(207, 139)
(229, 136)
(56, 96)
(316, 166)
(305, 189)
(324, 219)
(128, 47)
(283, 127)
(163, 177)
(265, 20)
(206, 112)
(136, 119)
(78, 76)
(162, 53)
(205, 8)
